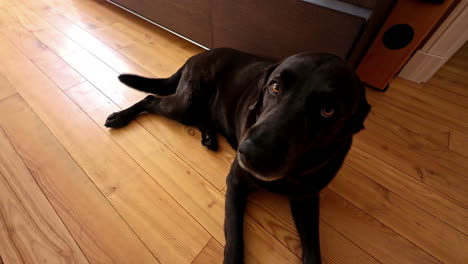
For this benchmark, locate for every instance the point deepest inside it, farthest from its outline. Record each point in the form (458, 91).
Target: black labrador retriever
(291, 122)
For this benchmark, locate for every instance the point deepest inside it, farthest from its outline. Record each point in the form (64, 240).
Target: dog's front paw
(117, 120)
(210, 141)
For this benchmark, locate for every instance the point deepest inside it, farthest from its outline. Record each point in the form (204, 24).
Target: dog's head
(307, 102)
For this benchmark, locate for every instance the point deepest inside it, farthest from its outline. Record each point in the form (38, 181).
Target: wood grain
(50, 63)
(25, 17)
(417, 225)
(415, 165)
(159, 64)
(97, 227)
(446, 95)
(130, 189)
(459, 143)
(38, 7)
(57, 42)
(212, 253)
(440, 206)
(433, 131)
(380, 241)
(411, 103)
(5, 17)
(185, 185)
(407, 138)
(31, 231)
(272, 212)
(105, 53)
(6, 89)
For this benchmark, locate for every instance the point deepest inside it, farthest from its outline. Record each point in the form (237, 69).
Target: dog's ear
(266, 74)
(357, 121)
(261, 85)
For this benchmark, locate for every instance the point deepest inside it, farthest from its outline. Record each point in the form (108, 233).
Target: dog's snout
(245, 146)
(255, 156)
(249, 152)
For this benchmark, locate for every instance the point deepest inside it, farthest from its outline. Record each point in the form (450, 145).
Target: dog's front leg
(305, 212)
(236, 200)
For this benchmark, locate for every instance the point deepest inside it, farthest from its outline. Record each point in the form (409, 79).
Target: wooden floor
(72, 191)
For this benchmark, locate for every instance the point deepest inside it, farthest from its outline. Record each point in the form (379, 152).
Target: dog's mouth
(245, 164)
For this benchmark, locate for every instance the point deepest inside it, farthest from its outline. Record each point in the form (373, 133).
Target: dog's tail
(157, 86)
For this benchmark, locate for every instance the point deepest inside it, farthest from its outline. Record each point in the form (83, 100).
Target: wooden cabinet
(282, 28)
(189, 18)
(271, 28)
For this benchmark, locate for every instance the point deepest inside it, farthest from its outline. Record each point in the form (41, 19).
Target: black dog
(291, 122)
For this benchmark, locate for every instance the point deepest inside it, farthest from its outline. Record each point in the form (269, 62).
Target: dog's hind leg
(159, 87)
(124, 117)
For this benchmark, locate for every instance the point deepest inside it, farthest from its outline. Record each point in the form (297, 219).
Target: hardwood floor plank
(101, 233)
(112, 37)
(5, 17)
(146, 207)
(448, 79)
(421, 108)
(88, 19)
(52, 65)
(38, 7)
(204, 202)
(212, 253)
(104, 78)
(440, 206)
(185, 185)
(374, 237)
(57, 41)
(28, 19)
(213, 166)
(416, 143)
(459, 143)
(427, 128)
(415, 165)
(25, 41)
(31, 230)
(446, 95)
(6, 89)
(437, 101)
(261, 247)
(272, 212)
(94, 20)
(106, 54)
(441, 240)
(159, 64)
(452, 77)
(47, 34)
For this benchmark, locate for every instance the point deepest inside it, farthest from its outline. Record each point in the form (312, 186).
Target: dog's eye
(274, 87)
(327, 111)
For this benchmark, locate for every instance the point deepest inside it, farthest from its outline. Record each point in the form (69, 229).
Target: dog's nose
(245, 147)
(253, 156)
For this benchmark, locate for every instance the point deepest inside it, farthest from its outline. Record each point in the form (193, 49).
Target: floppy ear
(261, 86)
(357, 121)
